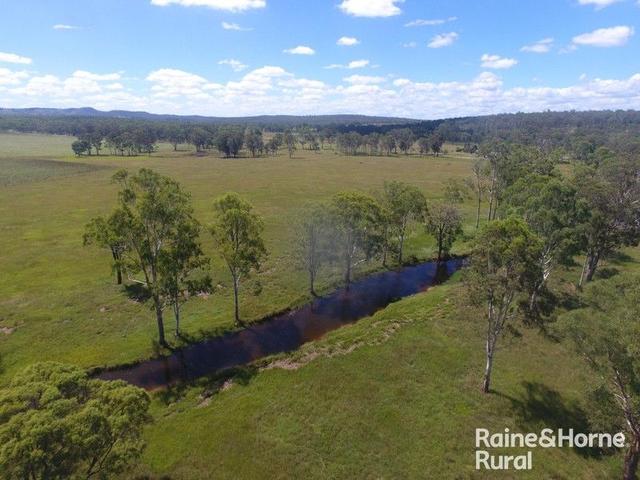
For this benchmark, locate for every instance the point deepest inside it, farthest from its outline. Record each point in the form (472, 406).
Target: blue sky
(413, 58)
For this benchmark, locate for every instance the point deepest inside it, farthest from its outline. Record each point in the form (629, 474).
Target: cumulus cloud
(351, 65)
(497, 62)
(541, 46)
(236, 65)
(599, 4)
(428, 23)
(13, 58)
(300, 50)
(234, 26)
(62, 26)
(605, 37)
(229, 5)
(347, 41)
(371, 8)
(364, 79)
(272, 90)
(443, 40)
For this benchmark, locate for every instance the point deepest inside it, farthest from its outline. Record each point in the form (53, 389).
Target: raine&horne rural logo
(546, 438)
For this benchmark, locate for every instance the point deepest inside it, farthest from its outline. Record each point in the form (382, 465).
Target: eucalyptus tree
(403, 203)
(504, 265)
(152, 215)
(57, 423)
(611, 193)
(551, 208)
(315, 244)
(237, 235)
(254, 142)
(478, 183)
(104, 232)
(185, 269)
(290, 141)
(605, 333)
(356, 219)
(444, 223)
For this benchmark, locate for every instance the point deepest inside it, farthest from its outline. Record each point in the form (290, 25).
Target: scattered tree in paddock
(290, 141)
(315, 244)
(81, 147)
(175, 135)
(154, 215)
(424, 145)
(237, 234)
(56, 423)
(436, 142)
(605, 333)
(185, 269)
(402, 204)
(404, 139)
(274, 143)
(357, 222)
(104, 232)
(611, 193)
(504, 264)
(387, 144)
(550, 207)
(229, 141)
(200, 138)
(444, 223)
(253, 141)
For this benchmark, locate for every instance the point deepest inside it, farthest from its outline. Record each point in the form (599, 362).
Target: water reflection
(286, 332)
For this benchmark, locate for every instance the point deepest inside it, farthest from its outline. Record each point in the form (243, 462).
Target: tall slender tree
(237, 234)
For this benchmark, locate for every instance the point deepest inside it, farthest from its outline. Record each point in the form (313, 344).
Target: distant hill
(315, 120)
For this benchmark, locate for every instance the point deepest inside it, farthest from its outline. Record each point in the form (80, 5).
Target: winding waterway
(287, 331)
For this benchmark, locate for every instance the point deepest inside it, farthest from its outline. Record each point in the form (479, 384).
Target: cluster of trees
(538, 220)
(402, 139)
(56, 423)
(154, 239)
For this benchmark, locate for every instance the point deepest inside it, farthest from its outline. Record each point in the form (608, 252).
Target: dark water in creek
(287, 331)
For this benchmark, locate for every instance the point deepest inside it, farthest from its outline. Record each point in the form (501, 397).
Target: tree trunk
(400, 248)
(176, 313)
(589, 268)
(160, 321)
(486, 382)
(236, 308)
(631, 459)
(312, 281)
(478, 212)
(118, 275)
(347, 273)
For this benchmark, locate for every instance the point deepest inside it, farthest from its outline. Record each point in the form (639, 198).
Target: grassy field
(59, 297)
(396, 395)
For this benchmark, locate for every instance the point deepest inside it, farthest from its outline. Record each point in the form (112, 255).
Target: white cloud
(13, 58)
(371, 8)
(236, 65)
(364, 79)
(234, 26)
(605, 37)
(357, 64)
(347, 41)
(300, 50)
(273, 90)
(9, 77)
(350, 66)
(541, 46)
(95, 76)
(599, 4)
(497, 62)
(443, 40)
(61, 26)
(410, 45)
(229, 5)
(428, 23)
